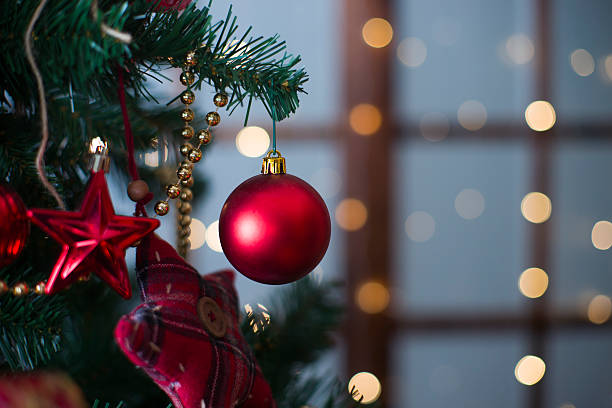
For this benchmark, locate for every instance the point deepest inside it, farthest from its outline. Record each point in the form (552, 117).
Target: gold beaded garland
(185, 208)
(21, 289)
(184, 232)
(204, 136)
(187, 132)
(213, 118)
(183, 173)
(39, 289)
(195, 155)
(172, 191)
(220, 100)
(191, 59)
(187, 97)
(185, 220)
(187, 115)
(187, 183)
(161, 208)
(187, 78)
(186, 148)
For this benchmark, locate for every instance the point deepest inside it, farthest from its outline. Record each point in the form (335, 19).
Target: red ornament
(171, 4)
(93, 239)
(15, 226)
(274, 228)
(186, 334)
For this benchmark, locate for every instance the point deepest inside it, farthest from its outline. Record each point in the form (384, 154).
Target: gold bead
(173, 191)
(187, 78)
(185, 208)
(186, 148)
(220, 100)
(3, 287)
(171, 60)
(39, 289)
(187, 183)
(213, 118)
(185, 243)
(195, 155)
(187, 97)
(185, 220)
(191, 59)
(161, 208)
(187, 115)
(20, 289)
(178, 203)
(204, 136)
(183, 173)
(184, 232)
(187, 132)
(137, 190)
(186, 195)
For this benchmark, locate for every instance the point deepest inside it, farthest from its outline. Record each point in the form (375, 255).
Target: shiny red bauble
(274, 228)
(14, 225)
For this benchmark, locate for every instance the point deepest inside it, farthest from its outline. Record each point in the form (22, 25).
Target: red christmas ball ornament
(171, 4)
(15, 225)
(274, 227)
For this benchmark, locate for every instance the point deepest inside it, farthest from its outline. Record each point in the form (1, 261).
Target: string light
(252, 141)
(420, 226)
(351, 214)
(536, 207)
(519, 48)
(533, 282)
(469, 204)
(377, 32)
(365, 119)
(372, 297)
(198, 234)
(472, 115)
(601, 236)
(582, 62)
(434, 126)
(365, 387)
(600, 309)
(529, 370)
(540, 116)
(212, 237)
(412, 52)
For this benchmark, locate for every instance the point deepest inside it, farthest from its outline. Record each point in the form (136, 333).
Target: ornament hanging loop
(273, 165)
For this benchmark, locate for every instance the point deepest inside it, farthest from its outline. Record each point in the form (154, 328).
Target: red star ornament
(186, 334)
(94, 239)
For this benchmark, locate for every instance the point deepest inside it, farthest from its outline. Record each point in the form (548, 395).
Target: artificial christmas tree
(75, 70)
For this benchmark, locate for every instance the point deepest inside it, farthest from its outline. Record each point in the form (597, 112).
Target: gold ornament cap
(273, 164)
(99, 160)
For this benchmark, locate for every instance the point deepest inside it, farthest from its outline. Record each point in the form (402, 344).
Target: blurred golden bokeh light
(365, 387)
(365, 119)
(412, 52)
(582, 62)
(529, 370)
(198, 233)
(536, 207)
(212, 237)
(472, 115)
(420, 226)
(151, 159)
(519, 48)
(600, 309)
(540, 116)
(601, 236)
(252, 141)
(377, 32)
(351, 214)
(372, 297)
(533, 282)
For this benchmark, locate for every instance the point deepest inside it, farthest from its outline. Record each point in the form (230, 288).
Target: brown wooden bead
(185, 220)
(185, 208)
(186, 195)
(188, 183)
(184, 232)
(137, 190)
